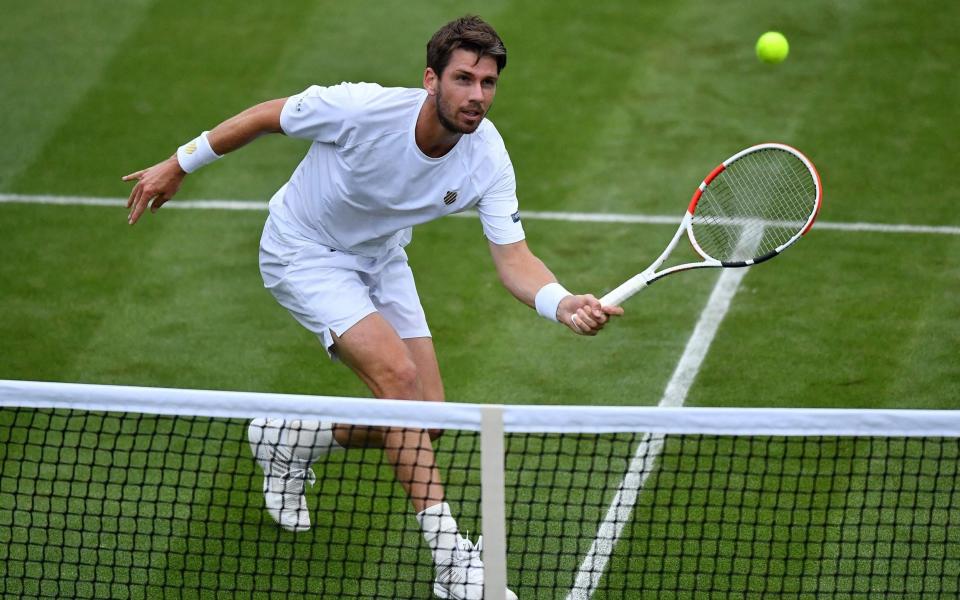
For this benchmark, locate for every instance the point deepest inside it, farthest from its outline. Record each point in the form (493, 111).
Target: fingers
(599, 311)
(137, 187)
(153, 201)
(136, 197)
(158, 201)
(583, 322)
(575, 325)
(137, 190)
(613, 310)
(593, 306)
(133, 195)
(154, 186)
(139, 205)
(588, 321)
(140, 199)
(587, 316)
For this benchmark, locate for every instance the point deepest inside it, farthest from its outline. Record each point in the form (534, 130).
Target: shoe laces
(292, 472)
(464, 564)
(467, 554)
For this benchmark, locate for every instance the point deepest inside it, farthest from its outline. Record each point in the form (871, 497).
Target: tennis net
(123, 492)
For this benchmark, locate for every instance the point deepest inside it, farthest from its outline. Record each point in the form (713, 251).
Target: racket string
(767, 195)
(759, 180)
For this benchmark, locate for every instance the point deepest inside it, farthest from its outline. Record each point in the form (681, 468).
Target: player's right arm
(157, 184)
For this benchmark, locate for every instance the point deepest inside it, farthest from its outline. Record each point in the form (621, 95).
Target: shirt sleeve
(499, 209)
(322, 114)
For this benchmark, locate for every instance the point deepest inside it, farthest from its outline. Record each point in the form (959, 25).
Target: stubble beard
(448, 123)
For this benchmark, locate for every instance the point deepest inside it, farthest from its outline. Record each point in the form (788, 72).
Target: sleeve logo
(450, 198)
(515, 217)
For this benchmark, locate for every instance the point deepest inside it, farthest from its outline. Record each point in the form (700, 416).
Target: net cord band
(452, 415)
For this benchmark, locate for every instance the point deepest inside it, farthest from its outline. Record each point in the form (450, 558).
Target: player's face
(465, 91)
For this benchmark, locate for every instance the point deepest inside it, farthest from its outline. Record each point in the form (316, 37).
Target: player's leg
(331, 298)
(374, 351)
(429, 387)
(391, 369)
(428, 369)
(428, 372)
(459, 567)
(322, 290)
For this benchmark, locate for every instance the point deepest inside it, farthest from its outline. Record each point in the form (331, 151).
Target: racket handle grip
(628, 288)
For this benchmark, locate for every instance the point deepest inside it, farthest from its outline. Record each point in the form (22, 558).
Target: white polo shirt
(364, 183)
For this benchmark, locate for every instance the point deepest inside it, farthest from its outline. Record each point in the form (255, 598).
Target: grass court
(606, 108)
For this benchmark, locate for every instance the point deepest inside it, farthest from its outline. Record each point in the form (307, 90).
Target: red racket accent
(696, 195)
(695, 199)
(714, 173)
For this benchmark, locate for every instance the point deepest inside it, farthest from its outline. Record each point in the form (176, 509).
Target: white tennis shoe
(462, 577)
(284, 477)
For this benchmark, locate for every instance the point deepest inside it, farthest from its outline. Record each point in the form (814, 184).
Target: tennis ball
(772, 47)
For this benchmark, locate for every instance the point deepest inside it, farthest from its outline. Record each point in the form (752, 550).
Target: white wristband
(548, 299)
(196, 153)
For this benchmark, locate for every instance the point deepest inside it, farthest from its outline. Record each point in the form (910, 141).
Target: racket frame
(650, 274)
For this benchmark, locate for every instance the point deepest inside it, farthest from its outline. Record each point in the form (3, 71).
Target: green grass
(617, 107)
(123, 505)
(798, 518)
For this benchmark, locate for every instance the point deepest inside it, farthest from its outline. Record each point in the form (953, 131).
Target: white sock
(440, 531)
(309, 440)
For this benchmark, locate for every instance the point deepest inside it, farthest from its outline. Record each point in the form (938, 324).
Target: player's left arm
(157, 184)
(531, 282)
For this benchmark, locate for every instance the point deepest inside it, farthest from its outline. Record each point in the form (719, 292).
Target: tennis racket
(752, 207)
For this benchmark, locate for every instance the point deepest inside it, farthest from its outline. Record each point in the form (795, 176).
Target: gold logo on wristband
(191, 147)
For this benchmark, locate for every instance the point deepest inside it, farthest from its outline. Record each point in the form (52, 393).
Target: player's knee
(399, 379)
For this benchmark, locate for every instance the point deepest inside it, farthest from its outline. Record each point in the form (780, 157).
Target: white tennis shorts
(328, 290)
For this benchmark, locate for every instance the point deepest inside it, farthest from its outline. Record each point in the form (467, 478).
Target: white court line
(577, 217)
(644, 460)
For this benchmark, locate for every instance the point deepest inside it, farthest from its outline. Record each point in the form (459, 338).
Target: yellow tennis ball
(772, 47)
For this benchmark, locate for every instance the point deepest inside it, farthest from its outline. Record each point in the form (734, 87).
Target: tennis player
(332, 253)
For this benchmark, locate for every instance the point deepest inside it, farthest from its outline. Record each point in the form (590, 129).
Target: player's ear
(430, 81)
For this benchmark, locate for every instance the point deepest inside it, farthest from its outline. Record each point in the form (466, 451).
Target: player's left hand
(584, 315)
(154, 186)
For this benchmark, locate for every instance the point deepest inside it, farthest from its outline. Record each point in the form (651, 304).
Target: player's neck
(432, 137)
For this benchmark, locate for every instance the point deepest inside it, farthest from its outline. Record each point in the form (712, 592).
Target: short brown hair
(469, 33)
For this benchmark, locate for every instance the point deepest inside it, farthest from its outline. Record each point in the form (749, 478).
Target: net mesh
(757, 204)
(116, 504)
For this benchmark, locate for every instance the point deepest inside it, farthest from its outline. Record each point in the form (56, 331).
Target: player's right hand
(584, 315)
(154, 187)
